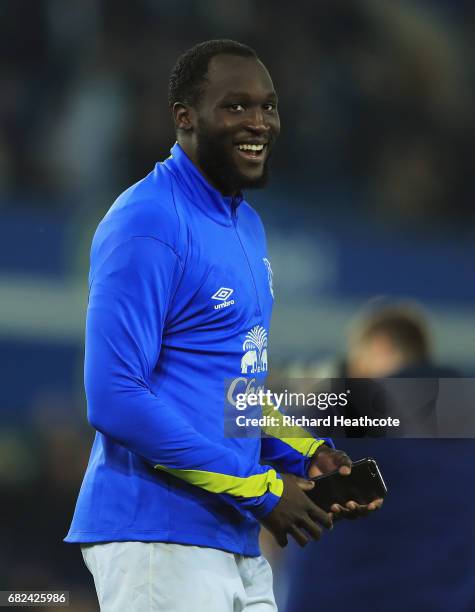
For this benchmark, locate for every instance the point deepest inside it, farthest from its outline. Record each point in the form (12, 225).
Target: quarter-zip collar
(211, 201)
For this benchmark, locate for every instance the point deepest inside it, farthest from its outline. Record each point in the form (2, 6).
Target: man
(418, 554)
(387, 340)
(393, 340)
(180, 301)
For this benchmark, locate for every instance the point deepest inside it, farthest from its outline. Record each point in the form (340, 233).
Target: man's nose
(256, 121)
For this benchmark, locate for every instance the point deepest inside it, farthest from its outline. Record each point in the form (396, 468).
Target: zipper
(234, 218)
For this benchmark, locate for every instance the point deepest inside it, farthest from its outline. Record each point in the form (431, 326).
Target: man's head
(225, 112)
(388, 340)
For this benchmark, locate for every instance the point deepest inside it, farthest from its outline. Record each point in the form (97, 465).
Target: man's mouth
(253, 152)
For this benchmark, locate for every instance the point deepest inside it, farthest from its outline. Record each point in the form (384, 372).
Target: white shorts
(163, 577)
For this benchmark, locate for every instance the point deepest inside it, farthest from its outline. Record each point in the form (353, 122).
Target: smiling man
(170, 509)
(227, 123)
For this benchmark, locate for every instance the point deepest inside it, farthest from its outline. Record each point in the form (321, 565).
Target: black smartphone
(363, 485)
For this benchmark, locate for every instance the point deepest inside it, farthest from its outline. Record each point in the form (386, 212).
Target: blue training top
(180, 301)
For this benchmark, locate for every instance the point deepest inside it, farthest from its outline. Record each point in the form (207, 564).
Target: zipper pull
(234, 205)
(235, 201)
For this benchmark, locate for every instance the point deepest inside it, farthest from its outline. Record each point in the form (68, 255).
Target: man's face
(235, 123)
(375, 357)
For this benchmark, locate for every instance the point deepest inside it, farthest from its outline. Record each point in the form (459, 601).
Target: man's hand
(326, 460)
(296, 514)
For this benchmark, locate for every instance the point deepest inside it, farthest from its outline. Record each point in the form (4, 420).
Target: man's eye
(269, 107)
(235, 108)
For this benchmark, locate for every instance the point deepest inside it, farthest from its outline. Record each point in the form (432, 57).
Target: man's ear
(183, 116)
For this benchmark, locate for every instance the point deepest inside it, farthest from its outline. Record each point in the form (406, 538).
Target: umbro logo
(222, 295)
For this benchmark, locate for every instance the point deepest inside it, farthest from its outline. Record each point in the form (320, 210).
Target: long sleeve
(130, 295)
(289, 449)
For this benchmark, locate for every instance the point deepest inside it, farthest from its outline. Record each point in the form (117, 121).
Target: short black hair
(190, 71)
(404, 324)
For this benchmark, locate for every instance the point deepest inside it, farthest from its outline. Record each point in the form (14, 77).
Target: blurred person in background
(418, 555)
(393, 340)
(388, 340)
(169, 510)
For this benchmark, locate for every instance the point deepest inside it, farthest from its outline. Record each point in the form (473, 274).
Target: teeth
(251, 147)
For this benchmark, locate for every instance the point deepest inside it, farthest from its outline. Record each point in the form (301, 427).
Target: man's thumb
(304, 484)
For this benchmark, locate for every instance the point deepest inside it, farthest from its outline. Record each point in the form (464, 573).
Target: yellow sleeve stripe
(305, 446)
(252, 486)
(294, 436)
